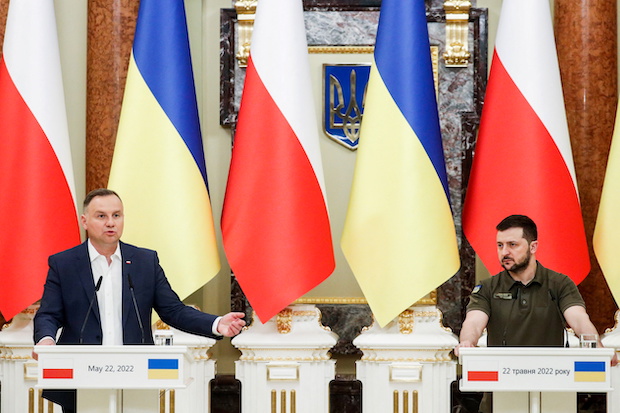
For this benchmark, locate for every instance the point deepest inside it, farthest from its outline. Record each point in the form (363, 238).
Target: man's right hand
(462, 344)
(44, 342)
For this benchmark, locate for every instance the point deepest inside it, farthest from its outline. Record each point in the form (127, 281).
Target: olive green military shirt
(526, 315)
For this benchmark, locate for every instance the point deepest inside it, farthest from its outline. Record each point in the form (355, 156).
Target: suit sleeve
(175, 313)
(50, 316)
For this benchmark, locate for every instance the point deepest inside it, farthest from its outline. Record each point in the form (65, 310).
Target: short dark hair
(98, 192)
(530, 232)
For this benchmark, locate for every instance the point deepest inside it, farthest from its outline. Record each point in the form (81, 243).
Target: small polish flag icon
(127, 262)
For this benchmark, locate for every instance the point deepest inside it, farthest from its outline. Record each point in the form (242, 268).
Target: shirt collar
(508, 281)
(94, 254)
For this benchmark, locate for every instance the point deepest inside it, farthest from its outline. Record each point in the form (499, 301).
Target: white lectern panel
(112, 367)
(536, 369)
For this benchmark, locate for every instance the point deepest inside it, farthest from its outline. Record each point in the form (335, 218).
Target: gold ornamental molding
(252, 358)
(246, 11)
(405, 393)
(330, 300)
(457, 30)
(405, 322)
(617, 322)
(437, 359)
(341, 49)
(284, 321)
(429, 299)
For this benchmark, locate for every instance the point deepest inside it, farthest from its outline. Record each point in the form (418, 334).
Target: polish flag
(483, 375)
(523, 162)
(36, 174)
(275, 223)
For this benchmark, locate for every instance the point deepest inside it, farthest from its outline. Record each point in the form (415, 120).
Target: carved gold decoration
(29, 313)
(415, 401)
(304, 313)
(284, 321)
(457, 31)
(341, 49)
(616, 322)
(246, 10)
(369, 50)
(407, 359)
(330, 300)
(245, 357)
(430, 355)
(430, 299)
(15, 357)
(405, 322)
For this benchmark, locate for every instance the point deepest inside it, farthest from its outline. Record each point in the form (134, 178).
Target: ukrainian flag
(159, 167)
(399, 236)
(590, 371)
(163, 369)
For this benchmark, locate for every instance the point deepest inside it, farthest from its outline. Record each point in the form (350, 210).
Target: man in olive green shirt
(526, 304)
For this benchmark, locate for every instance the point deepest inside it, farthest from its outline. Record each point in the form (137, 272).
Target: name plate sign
(536, 369)
(111, 367)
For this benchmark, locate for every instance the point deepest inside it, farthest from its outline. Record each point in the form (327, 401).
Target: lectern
(100, 372)
(535, 379)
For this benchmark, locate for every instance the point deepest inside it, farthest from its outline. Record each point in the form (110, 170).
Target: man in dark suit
(117, 268)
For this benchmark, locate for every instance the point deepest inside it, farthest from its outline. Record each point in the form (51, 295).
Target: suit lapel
(85, 272)
(127, 256)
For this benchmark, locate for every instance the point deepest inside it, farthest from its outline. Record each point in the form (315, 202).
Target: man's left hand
(231, 324)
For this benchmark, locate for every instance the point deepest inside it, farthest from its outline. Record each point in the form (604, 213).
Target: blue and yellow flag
(606, 234)
(158, 167)
(399, 236)
(590, 371)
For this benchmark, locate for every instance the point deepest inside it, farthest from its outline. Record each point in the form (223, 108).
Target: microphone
(90, 306)
(135, 306)
(556, 304)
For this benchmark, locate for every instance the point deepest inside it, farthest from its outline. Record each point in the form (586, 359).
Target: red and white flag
(275, 224)
(37, 194)
(523, 162)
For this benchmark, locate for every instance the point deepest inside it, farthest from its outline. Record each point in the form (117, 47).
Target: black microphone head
(98, 285)
(90, 306)
(135, 306)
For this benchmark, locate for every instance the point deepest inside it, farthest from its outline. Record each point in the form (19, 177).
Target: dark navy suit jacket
(70, 287)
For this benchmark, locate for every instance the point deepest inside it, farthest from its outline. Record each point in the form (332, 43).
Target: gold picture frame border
(370, 50)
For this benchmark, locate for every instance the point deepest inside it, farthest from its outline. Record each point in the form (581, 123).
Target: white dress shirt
(109, 296)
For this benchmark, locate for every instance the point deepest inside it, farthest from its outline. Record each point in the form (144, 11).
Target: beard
(519, 267)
